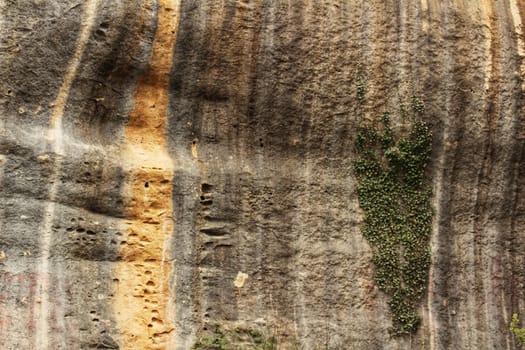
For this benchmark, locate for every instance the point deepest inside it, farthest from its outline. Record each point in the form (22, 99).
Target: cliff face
(168, 166)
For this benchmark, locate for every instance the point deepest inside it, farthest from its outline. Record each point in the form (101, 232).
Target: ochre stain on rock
(142, 291)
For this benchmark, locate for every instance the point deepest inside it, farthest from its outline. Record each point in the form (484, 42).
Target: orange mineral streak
(143, 297)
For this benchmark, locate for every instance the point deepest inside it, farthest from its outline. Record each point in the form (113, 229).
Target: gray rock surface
(228, 171)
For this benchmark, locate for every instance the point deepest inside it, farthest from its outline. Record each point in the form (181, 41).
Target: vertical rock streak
(480, 226)
(142, 292)
(517, 9)
(55, 139)
(468, 287)
(440, 177)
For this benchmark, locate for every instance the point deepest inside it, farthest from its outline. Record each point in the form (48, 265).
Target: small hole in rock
(206, 187)
(146, 184)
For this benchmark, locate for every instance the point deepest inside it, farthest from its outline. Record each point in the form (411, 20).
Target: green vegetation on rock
(519, 333)
(395, 195)
(235, 339)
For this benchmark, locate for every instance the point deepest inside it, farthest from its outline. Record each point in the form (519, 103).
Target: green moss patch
(395, 194)
(238, 338)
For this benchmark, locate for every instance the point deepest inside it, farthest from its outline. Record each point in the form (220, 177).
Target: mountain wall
(167, 166)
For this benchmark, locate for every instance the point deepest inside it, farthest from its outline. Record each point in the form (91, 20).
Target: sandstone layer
(166, 166)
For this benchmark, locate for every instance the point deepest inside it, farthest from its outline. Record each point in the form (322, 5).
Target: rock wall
(170, 165)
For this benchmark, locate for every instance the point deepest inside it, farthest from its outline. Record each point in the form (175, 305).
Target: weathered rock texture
(150, 151)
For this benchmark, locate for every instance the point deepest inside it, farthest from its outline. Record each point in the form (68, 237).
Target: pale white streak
(170, 311)
(56, 140)
(424, 5)
(423, 18)
(2, 28)
(402, 55)
(505, 315)
(300, 323)
(516, 18)
(488, 53)
(166, 232)
(485, 13)
(3, 159)
(424, 10)
(438, 192)
(468, 281)
(425, 25)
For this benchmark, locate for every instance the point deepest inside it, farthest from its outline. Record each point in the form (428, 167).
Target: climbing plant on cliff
(395, 194)
(237, 338)
(519, 333)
